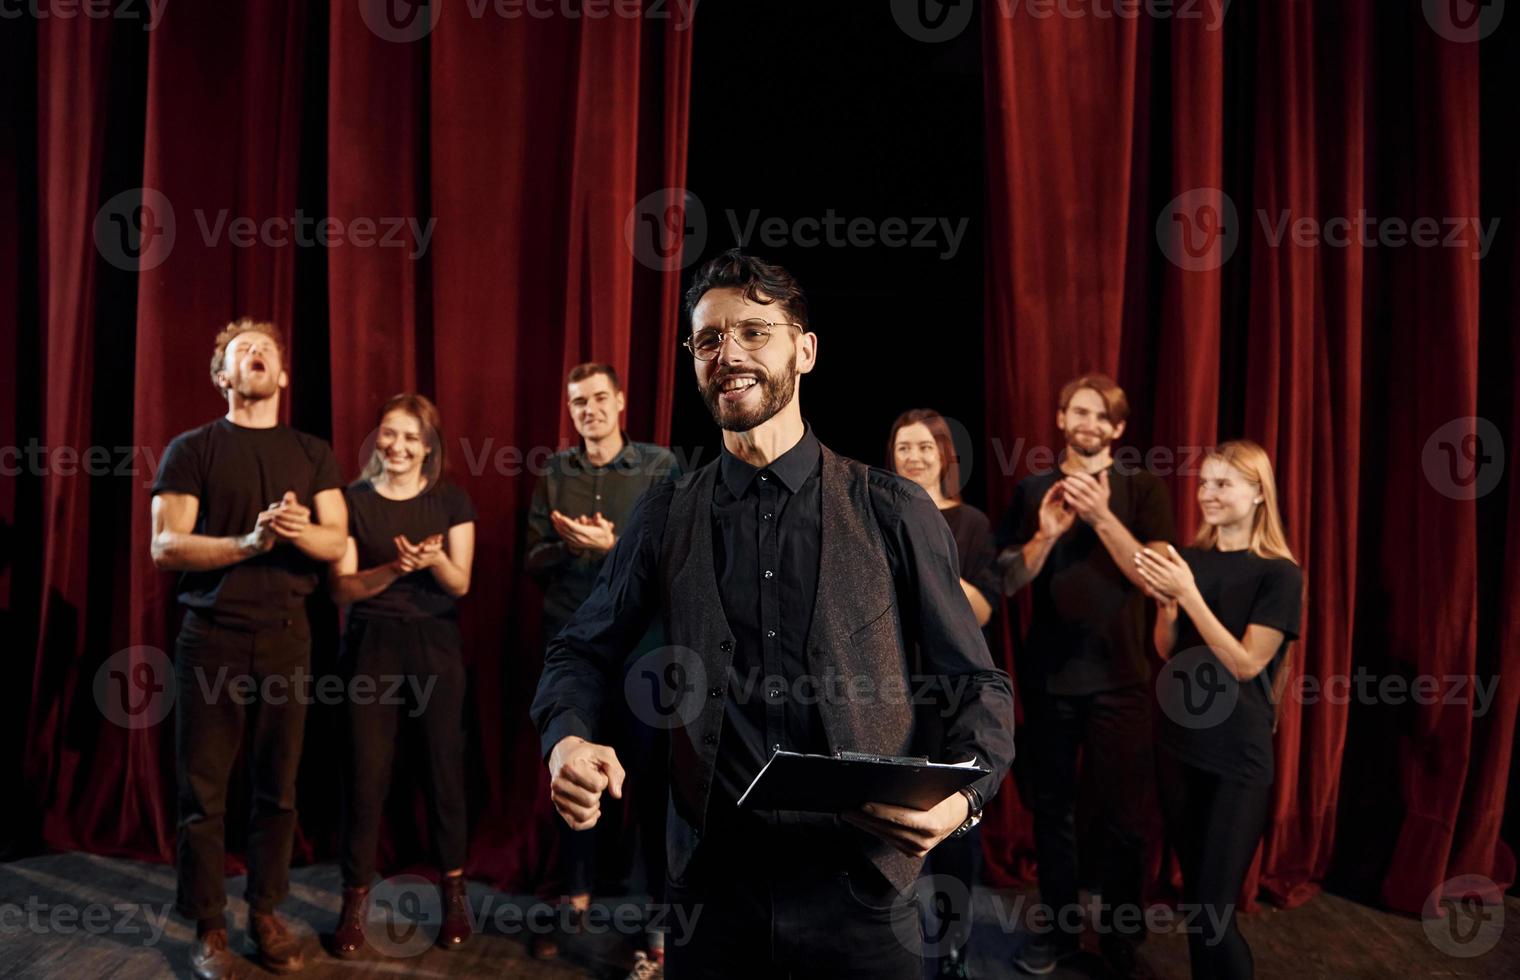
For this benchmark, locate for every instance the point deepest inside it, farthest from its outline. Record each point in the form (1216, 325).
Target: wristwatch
(973, 813)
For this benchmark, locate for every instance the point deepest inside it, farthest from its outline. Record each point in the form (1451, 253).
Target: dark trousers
(1112, 732)
(1214, 824)
(415, 675)
(947, 924)
(235, 687)
(761, 908)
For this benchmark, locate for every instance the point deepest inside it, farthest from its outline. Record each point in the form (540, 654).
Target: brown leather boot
(456, 912)
(273, 945)
(210, 959)
(348, 938)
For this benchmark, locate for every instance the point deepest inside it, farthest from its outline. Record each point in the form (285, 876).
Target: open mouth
(257, 364)
(735, 387)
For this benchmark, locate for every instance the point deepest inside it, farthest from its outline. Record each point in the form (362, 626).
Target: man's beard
(1099, 446)
(776, 393)
(256, 389)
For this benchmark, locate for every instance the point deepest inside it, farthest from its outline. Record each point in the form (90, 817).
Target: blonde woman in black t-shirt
(411, 543)
(1228, 607)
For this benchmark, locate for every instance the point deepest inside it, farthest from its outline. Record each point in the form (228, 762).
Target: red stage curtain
(517, 146)
(1097, 128)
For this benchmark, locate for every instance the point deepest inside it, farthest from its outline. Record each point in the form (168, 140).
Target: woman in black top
(410, 547)
(1228, 607)
(921, 449)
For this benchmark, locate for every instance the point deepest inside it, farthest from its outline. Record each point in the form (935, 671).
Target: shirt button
(702, 785)
(774, 692)
(765, 477)
(769, 573)
(767, 517)
(710, 739)
(770, 633)
(727, 646)
(716, 692)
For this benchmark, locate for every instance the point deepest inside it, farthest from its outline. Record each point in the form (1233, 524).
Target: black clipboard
(847, 780)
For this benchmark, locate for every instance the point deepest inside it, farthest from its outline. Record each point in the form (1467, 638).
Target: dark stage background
(546, 150)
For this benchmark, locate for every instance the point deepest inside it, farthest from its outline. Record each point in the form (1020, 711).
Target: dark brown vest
(856, 633)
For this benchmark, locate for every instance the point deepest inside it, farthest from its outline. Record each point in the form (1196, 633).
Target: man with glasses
(580, 506)
(794, 585)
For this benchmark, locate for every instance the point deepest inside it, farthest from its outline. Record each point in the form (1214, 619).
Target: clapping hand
(1168, 577)
(584, 535)
(411, 557)
(1056, 516)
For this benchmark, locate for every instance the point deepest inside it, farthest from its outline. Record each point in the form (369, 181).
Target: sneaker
(272, 944)
(1039, 956)
(210, 959)
(646, 968)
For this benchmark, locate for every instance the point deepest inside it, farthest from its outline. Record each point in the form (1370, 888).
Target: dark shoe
(210, 959)
(348, 938)
(273, 945)
(456, 912)
(544, 946)
(1039, 956)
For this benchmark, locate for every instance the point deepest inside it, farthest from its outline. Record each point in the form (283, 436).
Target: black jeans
(1215, 825)
(416, 668)
(214, 713)
(763, 907)
(1112, 731)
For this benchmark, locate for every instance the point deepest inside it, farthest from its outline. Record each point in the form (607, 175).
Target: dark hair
(949, 463)
(761, 281)
(235, 328)
(424, 411)
(592, 368)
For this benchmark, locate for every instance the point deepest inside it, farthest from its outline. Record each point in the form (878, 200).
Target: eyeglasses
(748, 334)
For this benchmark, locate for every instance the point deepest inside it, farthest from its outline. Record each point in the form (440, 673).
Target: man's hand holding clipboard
(913, 832)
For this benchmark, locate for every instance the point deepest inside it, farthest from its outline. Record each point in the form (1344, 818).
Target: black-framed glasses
(748, 334)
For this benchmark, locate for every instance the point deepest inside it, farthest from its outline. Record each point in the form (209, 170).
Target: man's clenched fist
(579, 771)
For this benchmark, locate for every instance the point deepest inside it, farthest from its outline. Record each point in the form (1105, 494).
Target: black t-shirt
(236, 472)
(974, 547)
(374, 520)
(1087, 632)
(1207, 718)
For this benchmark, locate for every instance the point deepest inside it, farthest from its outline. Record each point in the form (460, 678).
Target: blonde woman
(1228, 607)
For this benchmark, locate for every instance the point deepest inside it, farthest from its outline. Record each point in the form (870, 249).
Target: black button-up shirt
(584, 659)
(766, 548)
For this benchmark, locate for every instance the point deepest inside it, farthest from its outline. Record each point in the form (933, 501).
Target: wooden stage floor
(81, 916)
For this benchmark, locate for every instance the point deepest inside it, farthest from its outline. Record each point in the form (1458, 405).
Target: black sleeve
(461, 507)
(1279, 598)
(350, 494)
(979, 558)
(1153, 511)
(580, 662)
(180, 470)
(545, 550)
(1019, 520)
(327, 476)
(976, 697)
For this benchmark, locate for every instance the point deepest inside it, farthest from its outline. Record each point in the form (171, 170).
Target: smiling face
(1226, 496)
(1086, 424)
(744, 389)
(252, 366)
(915, 455)
(595, 407)
(399, 444)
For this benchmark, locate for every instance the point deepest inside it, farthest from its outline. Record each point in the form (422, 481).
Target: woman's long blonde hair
(1267, 537)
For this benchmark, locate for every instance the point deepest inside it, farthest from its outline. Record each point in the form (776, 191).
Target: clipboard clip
(868, 757)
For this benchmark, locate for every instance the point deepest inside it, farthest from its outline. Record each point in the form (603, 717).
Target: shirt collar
(792, 468)
(626, 459)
